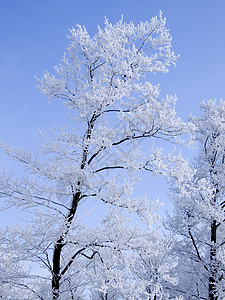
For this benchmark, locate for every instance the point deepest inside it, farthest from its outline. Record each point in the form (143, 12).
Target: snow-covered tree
(198, 194)
(104, 84)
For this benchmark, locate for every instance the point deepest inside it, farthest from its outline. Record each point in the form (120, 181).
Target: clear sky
(33, 39)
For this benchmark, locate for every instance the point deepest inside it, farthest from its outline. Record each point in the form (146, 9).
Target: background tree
(113, 107)
(198, 194)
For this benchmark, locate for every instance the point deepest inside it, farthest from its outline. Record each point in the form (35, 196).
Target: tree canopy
(118, 118)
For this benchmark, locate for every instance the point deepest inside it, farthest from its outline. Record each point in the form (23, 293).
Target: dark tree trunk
(56, 268)
(56, 276)
(213, 266)
(76, 197)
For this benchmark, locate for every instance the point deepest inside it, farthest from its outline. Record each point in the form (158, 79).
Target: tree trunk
(56, 268)
(213, 267)
(56, 276)
(76, 197)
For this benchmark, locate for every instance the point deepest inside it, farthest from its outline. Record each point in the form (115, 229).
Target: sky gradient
(33, 39)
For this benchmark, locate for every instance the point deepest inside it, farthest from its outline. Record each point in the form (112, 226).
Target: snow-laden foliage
(198, 194)
(103, 82)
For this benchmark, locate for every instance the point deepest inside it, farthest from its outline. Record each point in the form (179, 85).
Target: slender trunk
(76, 197)
(58, 248)
(56, 268)
(213, 266)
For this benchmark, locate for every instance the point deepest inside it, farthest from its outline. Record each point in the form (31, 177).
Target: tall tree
(198, 193)
(113, 107)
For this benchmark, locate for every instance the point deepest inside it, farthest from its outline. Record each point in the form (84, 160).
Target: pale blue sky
(33, 39)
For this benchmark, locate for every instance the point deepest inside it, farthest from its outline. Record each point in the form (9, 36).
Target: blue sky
(33, 39)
